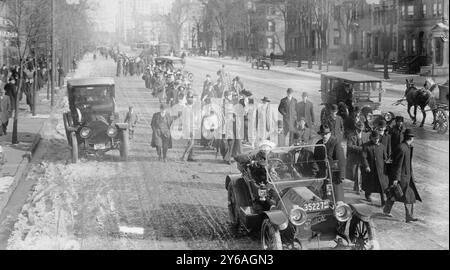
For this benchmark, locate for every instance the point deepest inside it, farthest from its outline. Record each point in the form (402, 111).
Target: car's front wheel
(362, 234)
(270, 236)
(232, 209)
(74, 141)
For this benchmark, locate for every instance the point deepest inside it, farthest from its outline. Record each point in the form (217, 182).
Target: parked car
(288, 197)
(261, 62)
(92, 125)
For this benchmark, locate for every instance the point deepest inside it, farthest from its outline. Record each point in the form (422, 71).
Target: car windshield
(93, 95)
(297, 164)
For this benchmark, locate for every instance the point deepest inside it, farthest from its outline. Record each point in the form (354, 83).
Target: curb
(21, 172)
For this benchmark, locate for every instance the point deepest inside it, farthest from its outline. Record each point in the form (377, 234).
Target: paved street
(184, 206)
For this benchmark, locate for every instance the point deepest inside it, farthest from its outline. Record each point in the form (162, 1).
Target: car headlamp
(298, 216)
(112, 131)
(85, 133)
(343, 212)
(388, 117)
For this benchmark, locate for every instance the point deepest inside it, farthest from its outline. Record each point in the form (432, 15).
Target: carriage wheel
(441, 124)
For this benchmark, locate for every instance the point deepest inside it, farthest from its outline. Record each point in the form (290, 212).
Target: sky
(105, 14)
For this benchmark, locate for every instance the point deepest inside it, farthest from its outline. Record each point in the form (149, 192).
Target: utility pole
(52, 94)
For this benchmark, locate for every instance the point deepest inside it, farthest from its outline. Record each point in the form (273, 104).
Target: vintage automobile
(174, 64)
(367, 92)
(288, 197)
(92, 124)
(261, 62)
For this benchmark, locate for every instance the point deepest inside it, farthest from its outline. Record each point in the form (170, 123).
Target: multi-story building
(6, 37)
(140, 20)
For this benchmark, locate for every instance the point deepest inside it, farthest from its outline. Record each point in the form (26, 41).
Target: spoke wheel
(270, 236)
(361, 234)
(441, 124)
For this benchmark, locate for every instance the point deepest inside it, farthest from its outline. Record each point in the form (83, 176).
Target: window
(404, 45)
(403, 12)
(435, 9)
(424, 10)
(414, 45)
(439, 11)
(376, 15)
(376, 45)
(271, 26)
(337, 37)
(270, 43)
(410, 11)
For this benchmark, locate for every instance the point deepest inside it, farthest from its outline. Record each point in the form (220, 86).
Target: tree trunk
(15, 135)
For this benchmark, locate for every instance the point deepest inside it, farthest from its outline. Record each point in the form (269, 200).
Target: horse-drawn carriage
(441, 113)
(363, 91)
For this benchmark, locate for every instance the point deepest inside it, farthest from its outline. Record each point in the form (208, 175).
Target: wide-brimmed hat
(359, 125)
(324, 129)
(246, 93)
(265, 99)
(409, 133)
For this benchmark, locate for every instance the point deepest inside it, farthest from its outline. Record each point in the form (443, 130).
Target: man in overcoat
(5, 111)
(403, 175)
(355, 141)
(305, 109)
(335, 123)
(161, 137)
(374, 179)
(336, 158)
(396, 132)
(287, 109)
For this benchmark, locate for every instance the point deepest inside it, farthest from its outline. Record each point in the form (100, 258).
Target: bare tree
(176, 18)
(346, 15)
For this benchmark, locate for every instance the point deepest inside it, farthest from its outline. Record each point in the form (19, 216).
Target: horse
(418, 98)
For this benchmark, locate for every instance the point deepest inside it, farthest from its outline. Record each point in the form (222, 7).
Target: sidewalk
(396, 82)
(18, 156)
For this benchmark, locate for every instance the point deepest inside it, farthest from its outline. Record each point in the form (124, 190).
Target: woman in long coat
(375, 179)
(161, 137)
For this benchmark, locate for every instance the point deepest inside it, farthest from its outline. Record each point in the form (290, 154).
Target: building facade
(7, 51)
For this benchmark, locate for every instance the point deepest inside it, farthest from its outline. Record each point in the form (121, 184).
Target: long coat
(396, 137)
(403, 172)
(374, 157)
(5, 109)
(355, 154)
(306, 110)
(386, 141)
(288, 110)
(336, 126)
(334, 152)
(161, 129)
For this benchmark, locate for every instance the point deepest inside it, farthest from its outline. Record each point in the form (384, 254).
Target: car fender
(277, 217)
(122, 126)
(363, 211)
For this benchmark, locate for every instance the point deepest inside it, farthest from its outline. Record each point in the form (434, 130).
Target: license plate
(316, 206)
(99, 147)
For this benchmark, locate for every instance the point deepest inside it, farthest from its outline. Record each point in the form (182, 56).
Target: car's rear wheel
(124, 145)
(362, 234)
(74, 142)
(270, 236)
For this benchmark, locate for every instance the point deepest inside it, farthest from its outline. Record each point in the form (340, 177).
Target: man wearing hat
(355, 141)
(335, 122)
(374, 178)
(334, 153)
(287, 108)
(403, 175)
(385, 138)
(396, 132)
(304, 134)
(305, 109)
(161, 136)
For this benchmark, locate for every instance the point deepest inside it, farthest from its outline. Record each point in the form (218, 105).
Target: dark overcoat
(374, 157)
(386, 141)
(354, 154)
(161, 129)
(336, 126)
(334, 152)
(306, 110)
(288, 110)
(396, 136)
(403, 172)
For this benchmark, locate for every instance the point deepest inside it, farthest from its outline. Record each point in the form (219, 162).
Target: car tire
(270, 236)
(66, 128)
(124, 145)
(74, 142)
(233, 209)
(362, 234)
